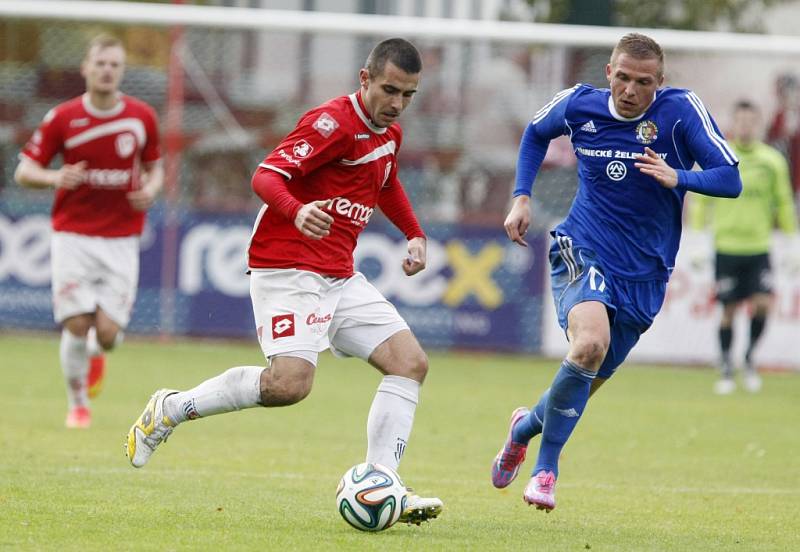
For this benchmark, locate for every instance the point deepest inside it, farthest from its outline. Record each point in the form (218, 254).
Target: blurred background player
(110, 176)
(321, 186)
(742, 235)
(611, 257)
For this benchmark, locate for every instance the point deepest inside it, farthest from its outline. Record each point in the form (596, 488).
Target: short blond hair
(103, 41)
(639, 46)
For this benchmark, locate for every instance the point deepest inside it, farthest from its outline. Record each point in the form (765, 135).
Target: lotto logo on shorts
(325, 125)
(282, 326)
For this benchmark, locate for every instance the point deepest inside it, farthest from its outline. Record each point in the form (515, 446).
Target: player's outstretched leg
(234, 389)
(568, 397)
(525, 425)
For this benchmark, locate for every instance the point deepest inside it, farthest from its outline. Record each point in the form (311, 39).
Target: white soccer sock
(75, 367)
(92, 345)
(234, 389)
(390, 419)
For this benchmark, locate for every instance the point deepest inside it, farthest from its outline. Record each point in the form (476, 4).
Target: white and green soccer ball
(371, 497)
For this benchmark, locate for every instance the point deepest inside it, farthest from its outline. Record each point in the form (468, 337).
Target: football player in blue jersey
(636, 145)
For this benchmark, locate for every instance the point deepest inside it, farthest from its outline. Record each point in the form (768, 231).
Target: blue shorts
(577, 275)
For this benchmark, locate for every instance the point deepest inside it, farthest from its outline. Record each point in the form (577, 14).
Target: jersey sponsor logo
(646, 132)
(589, 127)
(616, 170)
(108, 178)
(358, 214)
(289, 158)
(125, 144)
(362, 136)
(302, 148)
(316, 318)
(325, 125)
(77, 123)
(282, 326)
(613, 154)
(317, 323)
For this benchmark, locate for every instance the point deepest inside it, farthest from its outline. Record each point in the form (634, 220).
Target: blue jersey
(628, 218)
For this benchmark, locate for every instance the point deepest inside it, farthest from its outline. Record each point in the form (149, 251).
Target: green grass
(657, 463)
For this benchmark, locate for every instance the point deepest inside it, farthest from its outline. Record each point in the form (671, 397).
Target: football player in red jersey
(320, 187)
(110, 176)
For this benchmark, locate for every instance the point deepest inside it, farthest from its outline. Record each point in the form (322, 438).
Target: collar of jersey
(355, 99)
(618, 117)
(102, 113)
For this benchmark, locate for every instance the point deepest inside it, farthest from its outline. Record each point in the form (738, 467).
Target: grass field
(657, 463)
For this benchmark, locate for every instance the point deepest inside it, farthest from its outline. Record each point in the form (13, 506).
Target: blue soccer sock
(531, 425)
(568, 397)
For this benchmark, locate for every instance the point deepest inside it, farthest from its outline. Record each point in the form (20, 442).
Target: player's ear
(363, 77)
(608, 71)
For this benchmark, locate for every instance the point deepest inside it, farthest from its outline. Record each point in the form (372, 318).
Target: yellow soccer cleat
(150, 430)
(419, 509)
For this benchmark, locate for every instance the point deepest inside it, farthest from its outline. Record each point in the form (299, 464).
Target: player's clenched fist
(312, 221)
(71, 176)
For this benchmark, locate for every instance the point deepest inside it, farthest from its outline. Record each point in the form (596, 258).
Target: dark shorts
(741, 276)
(577, 276)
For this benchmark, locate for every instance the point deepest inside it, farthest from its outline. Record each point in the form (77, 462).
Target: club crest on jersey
(282, 326)
(125, 143)
(325, 125)
(646, 132)
(302, 148)
(616, 170)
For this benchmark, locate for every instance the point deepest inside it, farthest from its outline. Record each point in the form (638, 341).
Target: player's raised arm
(720, 175)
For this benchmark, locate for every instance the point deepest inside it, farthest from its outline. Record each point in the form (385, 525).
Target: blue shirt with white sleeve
(630, 220)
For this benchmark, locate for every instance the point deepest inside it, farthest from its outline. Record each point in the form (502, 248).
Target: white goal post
(365, 24)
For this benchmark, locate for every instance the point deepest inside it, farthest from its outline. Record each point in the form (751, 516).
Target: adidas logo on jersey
(589, 127)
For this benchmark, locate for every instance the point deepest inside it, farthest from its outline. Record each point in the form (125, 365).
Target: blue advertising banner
(478, 291)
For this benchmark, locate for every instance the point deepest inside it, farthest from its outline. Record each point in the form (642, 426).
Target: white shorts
(90, 272)
(301, 311)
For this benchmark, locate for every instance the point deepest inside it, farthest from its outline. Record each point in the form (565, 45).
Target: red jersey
(337, 154)
(114, 143)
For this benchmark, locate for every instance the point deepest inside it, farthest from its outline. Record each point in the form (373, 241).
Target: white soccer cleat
(751, 381)
(150, 430)
(724, 386)
(419, 509)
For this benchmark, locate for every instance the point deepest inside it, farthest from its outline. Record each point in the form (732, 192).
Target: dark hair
(399, 51)
(639, 46)
(745, 105)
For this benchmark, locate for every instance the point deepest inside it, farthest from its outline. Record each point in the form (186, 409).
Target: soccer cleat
(150, 430)
(751, 381)
(419, 509)
(724, 386)
(79, 417)
(541, 491)
(508, 461)
(97, 372)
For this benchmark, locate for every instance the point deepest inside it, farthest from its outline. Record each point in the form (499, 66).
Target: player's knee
(281, 387)
(588, 351)
(107, 338)
(417, 365)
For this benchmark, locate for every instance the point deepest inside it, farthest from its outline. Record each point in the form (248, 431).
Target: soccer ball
(371, 497)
